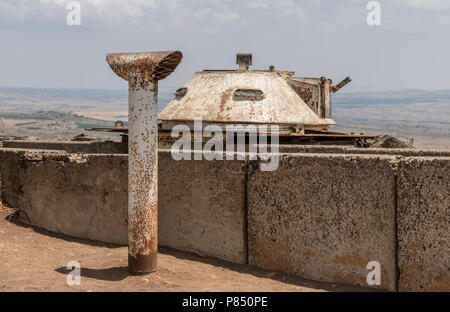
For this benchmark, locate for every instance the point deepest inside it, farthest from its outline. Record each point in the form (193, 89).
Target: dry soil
(32, 259)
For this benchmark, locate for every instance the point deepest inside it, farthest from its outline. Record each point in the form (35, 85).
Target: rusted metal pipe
(142, 71)
(340, 85)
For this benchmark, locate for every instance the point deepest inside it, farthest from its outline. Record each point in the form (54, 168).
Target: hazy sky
(330, 38)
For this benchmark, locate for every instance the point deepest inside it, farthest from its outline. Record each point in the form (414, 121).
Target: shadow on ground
(110, 274)
(120, 273)
(262, 273)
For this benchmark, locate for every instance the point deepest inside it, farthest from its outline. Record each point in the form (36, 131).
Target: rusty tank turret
(300, 107)
(248, 96)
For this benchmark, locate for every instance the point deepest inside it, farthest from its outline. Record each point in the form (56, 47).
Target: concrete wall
(321, 216)
(336, 149)
(104, 147)
(75, 194)
(423, 218)
(202, 207)
(109, 147)
(324, 217)
(201, 203)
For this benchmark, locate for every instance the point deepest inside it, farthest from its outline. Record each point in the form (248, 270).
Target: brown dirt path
(32, 259)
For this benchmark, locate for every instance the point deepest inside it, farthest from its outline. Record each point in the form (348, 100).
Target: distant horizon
(342, 91)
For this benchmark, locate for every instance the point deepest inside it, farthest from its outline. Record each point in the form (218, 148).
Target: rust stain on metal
(211, 99)
(226, 97)
(304, 93)
(223, 107)
(142, 71)
(152, 65)
(340, 85)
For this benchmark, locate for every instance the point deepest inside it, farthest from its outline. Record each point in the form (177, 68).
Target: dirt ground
(32, 259)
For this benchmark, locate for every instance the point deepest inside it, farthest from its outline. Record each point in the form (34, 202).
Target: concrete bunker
(325, 213)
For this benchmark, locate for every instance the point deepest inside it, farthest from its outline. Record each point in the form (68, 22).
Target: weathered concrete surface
(109, 147)
(320, 216)
(202, 206)
(9, 173)
(336, 149)
(423, 217)
(324, 217)
(11, 165)
(201, 203)
(79, 195)
(104, 147)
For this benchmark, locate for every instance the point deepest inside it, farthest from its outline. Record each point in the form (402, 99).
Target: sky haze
(409, 50)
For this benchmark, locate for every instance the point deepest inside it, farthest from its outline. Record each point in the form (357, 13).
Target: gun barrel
(341, 84)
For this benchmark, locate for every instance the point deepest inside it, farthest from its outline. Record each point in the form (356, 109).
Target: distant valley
(422, 115)
(62, 114)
